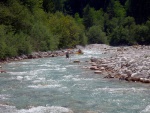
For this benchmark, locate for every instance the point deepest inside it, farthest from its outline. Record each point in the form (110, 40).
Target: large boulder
(94, 59)
(94, 68)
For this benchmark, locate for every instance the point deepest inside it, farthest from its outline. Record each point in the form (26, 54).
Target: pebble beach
(130, 63)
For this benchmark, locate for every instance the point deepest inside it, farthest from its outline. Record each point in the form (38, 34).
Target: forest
(46, 25)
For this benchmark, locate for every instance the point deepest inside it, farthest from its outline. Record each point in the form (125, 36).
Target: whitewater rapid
(57, 85)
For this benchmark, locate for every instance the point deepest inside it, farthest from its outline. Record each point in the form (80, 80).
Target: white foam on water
(87, 54)
(46, 65)
(19, 77)
(30, 77)
(146, 110)
(32, 74)
(4, 97)
(42, 70)
(92, 51)
(17, 73)
(58, 69)
(44, 86)
(39, 109)
(117, 90)
(84, 79)
(36, 75)
(52, 109)
(7, 109)
(37, 71)
(24, 63)
(68, 76)
(39, 80)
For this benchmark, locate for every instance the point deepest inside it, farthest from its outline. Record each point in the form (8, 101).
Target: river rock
(94, 68)
(102, 68)
(76, 61)
(94, 59)
(97, 72)
(93, 64)
(2, 71)
(144, 80)
(132, 63)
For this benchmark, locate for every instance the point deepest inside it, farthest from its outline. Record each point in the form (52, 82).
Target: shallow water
(56, 85)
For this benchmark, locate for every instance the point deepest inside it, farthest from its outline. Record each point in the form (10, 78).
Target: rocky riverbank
(130, 63)
(35, 55)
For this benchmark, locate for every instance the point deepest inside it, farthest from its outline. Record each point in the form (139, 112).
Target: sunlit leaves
(66, 29)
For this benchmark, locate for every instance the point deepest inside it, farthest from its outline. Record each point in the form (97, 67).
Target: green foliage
(22, 20)
(93, 17)
(41, 38)
(119, 10)
(24, 46)
(68, 29)
(96, 35)
(78, 19)
(98, 17)
(8, 45)
(2, 42)
(82, 37)
(148, 35)
(115, 9)
(128, 5)
(43, 25)
(122, 31)
(88, 16)
(118, 37)
(111, 24)
(53, 6)
(13, 44)
(142, 34)
(32, 4)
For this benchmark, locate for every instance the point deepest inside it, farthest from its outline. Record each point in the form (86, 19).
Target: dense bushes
(25, 27)
(96, 35)
(43, 25)
(12, 44)
(68, 32)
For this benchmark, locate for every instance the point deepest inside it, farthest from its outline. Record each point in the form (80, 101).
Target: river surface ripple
(56, 85)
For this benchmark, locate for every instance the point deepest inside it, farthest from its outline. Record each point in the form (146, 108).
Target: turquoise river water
(56, 85)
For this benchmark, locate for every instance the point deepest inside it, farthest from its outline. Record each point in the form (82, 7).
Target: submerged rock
(76, 61)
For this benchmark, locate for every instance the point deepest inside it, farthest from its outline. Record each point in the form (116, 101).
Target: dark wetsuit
(67, 54)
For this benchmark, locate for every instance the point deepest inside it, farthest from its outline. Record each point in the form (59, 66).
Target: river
(57, 85)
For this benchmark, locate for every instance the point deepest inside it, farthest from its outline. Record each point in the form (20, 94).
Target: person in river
(67, 54)
(80, 52)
